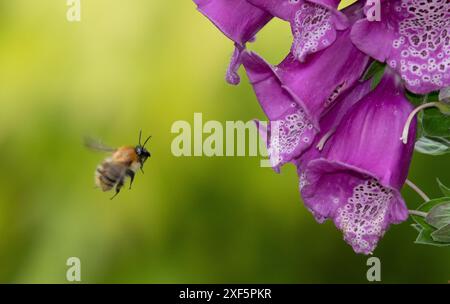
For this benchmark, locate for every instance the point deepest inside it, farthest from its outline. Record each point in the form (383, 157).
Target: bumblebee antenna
(140, 135)
(147, 140)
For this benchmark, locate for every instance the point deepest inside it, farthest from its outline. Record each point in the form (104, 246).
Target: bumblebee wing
(97, 145)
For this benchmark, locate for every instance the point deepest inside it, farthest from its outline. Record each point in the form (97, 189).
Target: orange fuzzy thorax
(125, 155)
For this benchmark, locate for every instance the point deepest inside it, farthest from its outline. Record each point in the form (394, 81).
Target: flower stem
(418, 213)
(418, 190)
(411, 116)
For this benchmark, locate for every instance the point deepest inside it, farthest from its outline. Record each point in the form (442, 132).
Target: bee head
(141, 151)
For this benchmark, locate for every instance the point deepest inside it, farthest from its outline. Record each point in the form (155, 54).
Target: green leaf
(442, 235)
(439, 216)
(418, 227)
(426, 207)
(436, 124)
(433, 96)
(375, 72)
(377, 76)
(425, 238)
(421, 222)
(445, 190)
(428, 235)
(430, 146)
(375, 67)
(415, 99)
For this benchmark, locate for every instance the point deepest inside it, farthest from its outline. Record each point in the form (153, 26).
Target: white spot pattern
(312, 24)
(362, 218)
(422, 47)
(292, 129)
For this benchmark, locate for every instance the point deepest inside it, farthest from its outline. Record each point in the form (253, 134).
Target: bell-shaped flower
(357, 179)
(238, 20)
(295, 95)
(314, 23)
(328, 125)
(413, 37)
(289, 131)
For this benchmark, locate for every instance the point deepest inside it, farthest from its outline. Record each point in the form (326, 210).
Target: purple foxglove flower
(318, 82)
(413, 37)
(290, 130)
(358, 178)
(295, 95)
(314, 23)
(328, 125)
(238, 20)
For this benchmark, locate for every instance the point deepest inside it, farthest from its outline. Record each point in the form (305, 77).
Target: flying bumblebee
(124, 162)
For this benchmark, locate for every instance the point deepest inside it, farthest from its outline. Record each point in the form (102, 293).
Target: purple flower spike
(357, 180)
(289, 131)
(413, 37)
(314, 23)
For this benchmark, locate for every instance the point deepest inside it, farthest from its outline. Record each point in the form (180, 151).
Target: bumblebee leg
(131, 174)
(118, 187)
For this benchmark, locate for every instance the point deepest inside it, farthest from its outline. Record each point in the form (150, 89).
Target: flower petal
(313, 30)
(318, 82)
(369, 135)
(328, 125)
(290, 131)
(232, 76)
(358, 177)
(413, 37)
(373, 38)
(237, 19)
(360, 206)
(296, 94)
(313, 22)
(282, 9)
(330, 121)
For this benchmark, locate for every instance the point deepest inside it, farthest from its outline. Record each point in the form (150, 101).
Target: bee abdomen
(106, 177)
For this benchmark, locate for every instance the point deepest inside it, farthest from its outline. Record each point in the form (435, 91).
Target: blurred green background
(145, 64)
